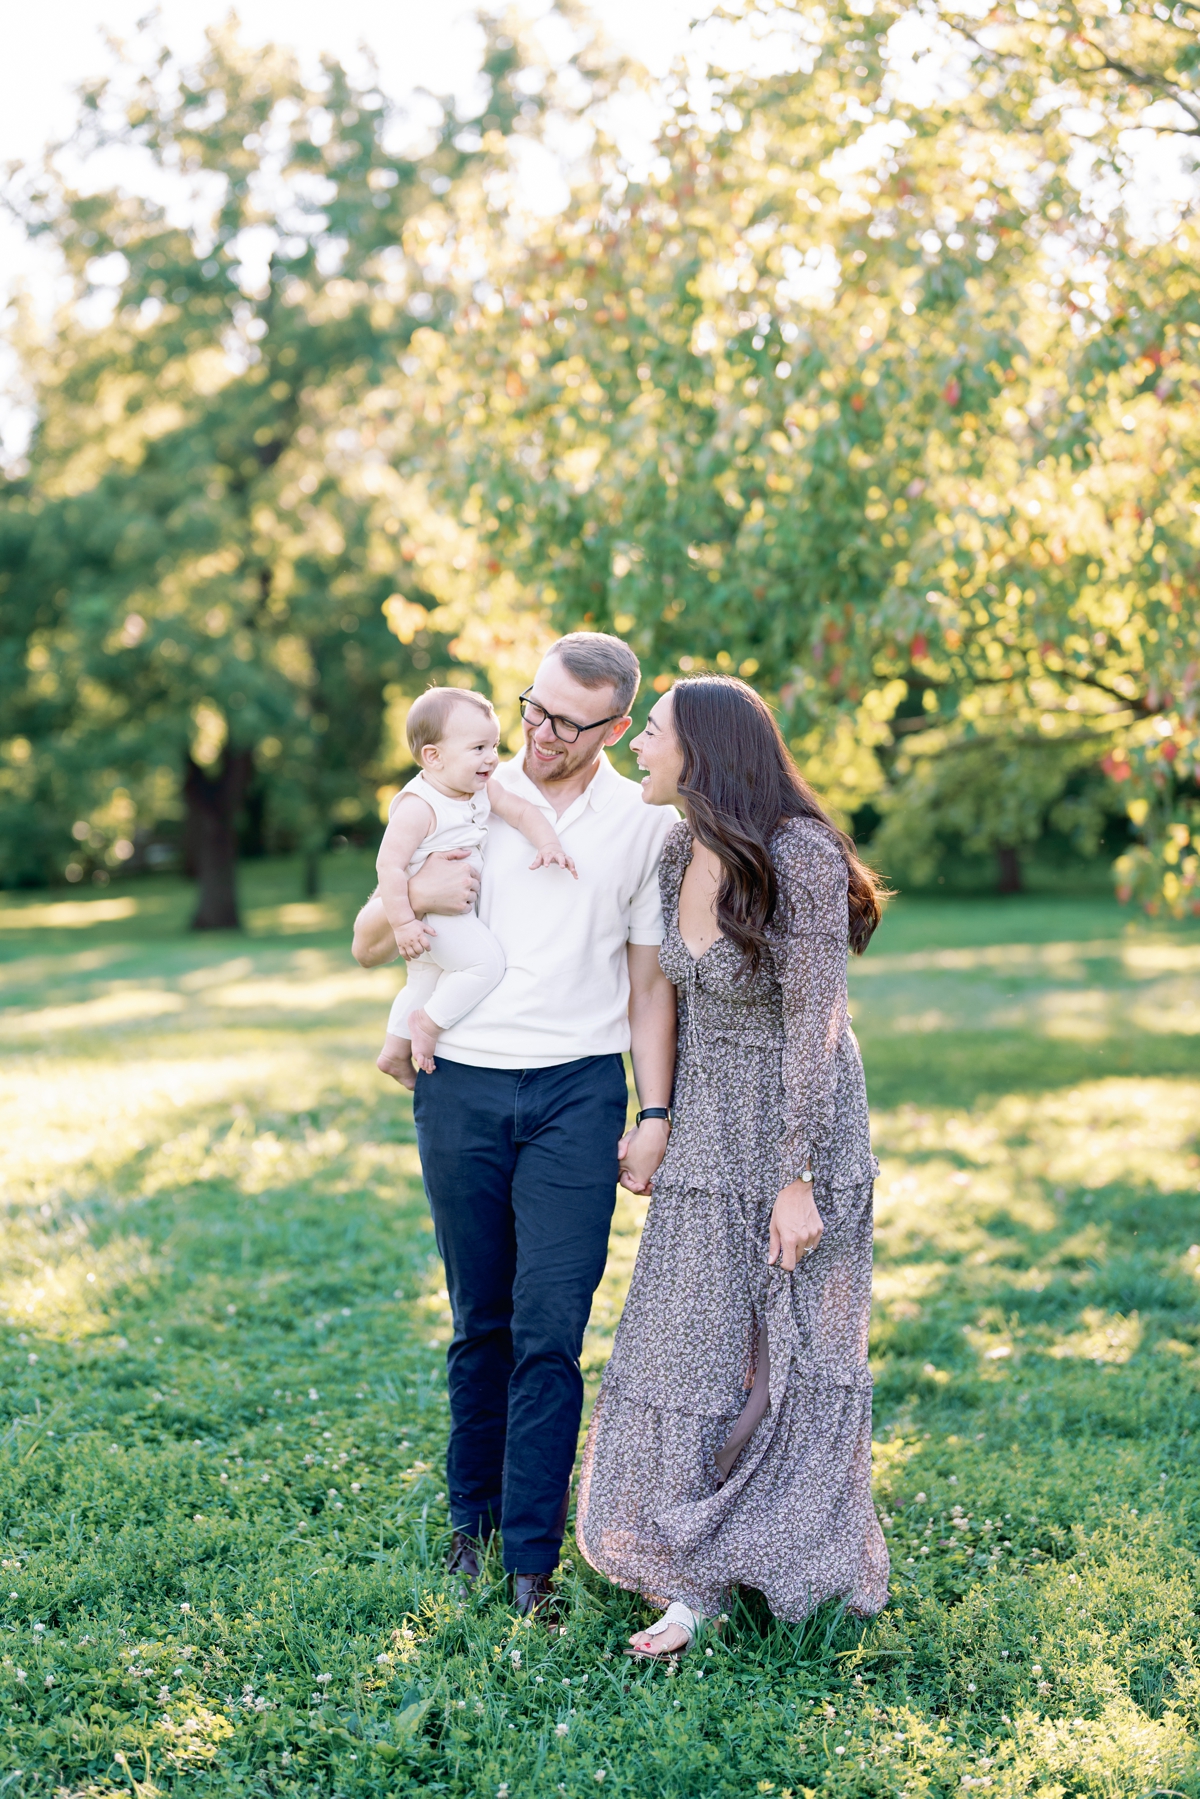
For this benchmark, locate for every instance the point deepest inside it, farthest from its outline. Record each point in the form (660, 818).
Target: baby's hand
(412, 939)
(554, 856)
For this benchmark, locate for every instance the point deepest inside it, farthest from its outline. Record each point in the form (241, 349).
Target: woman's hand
(796, 1226)
(640, 1151)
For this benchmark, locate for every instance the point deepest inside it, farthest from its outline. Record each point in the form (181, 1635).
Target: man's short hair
(429, 715)
(595, 659)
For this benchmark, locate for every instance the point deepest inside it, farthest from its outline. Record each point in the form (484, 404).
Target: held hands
(553, 855)
(640, 1151)
(413, 938)
(796, 1226)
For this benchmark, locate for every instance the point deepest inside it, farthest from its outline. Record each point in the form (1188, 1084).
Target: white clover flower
(164, 1694)
(515, 1657)
(49, 1682)
(323, 1680)
(560, 1730)
(185, 1607)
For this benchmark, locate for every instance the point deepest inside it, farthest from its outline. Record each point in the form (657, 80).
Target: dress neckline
(720, 936)
(696, 960)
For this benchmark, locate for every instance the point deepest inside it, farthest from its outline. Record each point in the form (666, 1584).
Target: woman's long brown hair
(738, 786)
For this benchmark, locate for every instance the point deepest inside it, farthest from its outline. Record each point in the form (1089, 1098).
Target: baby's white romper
(464, 960)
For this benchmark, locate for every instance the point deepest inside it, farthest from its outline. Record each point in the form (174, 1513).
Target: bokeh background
(853, 350)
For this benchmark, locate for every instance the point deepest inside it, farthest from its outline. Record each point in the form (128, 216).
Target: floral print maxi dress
(731, 1440)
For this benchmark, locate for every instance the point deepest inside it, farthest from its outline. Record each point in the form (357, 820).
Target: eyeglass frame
(554, 719)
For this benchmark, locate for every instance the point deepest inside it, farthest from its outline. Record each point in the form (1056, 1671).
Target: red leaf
(858, 401)
(952, 392)
(920, 644)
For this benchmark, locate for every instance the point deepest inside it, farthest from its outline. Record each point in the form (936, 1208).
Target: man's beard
(562, 767)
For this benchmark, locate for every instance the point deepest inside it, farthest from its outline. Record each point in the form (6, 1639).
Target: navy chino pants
(520, 1167)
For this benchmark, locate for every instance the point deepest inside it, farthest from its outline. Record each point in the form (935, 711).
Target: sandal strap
(679, 1614)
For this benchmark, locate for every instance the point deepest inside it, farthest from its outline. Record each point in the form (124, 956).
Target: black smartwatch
(653, 1112)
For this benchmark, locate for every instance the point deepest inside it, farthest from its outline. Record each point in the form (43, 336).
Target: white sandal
(678, 1614)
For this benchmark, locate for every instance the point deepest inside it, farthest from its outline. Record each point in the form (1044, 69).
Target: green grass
(222, 1405)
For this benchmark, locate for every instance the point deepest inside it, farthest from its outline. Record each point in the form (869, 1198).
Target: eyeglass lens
(536, 715)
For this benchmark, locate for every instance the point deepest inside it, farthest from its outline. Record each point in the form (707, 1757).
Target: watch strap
(653, 1112)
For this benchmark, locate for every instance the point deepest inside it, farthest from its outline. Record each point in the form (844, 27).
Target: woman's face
(660, 756)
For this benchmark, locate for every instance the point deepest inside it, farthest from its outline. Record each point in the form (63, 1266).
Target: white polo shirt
(565, 991)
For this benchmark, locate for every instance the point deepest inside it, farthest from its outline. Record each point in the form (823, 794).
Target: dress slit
(751, 1414)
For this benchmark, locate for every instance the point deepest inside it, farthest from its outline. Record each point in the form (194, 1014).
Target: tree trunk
(212, 798)
(312, 874)
(1008, 869)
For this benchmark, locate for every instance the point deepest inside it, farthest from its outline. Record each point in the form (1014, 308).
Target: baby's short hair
(429, 714)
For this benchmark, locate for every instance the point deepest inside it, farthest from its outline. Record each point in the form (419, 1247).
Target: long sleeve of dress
(809, 943)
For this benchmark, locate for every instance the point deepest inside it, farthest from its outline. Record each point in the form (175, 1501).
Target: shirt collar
(599, 791)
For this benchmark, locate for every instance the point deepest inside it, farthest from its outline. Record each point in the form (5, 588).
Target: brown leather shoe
(534, 1595)
(463, 1559)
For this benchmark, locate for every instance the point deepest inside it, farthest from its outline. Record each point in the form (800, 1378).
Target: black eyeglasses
(565, 729)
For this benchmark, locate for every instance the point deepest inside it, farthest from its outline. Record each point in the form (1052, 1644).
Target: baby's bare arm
(410, 824)
(533, 825)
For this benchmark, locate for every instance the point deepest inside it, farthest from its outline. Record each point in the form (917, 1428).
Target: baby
(453, 734)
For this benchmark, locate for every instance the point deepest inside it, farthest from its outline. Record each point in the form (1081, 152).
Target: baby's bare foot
(395, 1058)
(424, 1035)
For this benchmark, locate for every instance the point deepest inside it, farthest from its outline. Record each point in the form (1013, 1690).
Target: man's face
(547, 758)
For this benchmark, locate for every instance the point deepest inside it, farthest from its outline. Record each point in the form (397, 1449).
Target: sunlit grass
(222, 1417)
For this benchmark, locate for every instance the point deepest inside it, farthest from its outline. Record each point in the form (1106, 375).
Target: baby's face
(466, 756)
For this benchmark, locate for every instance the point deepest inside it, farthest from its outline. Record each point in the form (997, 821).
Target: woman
(731, 1439)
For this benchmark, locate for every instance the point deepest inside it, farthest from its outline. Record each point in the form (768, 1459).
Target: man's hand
(640, 1152)
(446, 882)
(796, 1226)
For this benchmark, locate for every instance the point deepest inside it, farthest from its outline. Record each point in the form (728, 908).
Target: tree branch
(1156, 83)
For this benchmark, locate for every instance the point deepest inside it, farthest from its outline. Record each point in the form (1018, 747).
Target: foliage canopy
(880, 387)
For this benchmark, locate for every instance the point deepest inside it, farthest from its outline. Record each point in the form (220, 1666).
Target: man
(521, 1127)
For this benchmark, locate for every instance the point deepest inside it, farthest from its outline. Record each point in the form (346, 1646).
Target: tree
(197, 559)
(875, 397)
